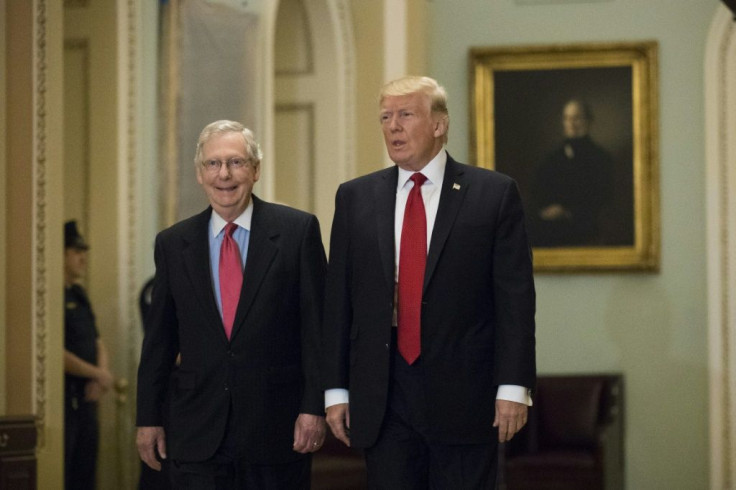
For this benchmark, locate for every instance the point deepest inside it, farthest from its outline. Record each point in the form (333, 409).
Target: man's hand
(338, 418)
(104, 378)
(93, 391)
(149, 440)
(309, 433)
(510, 418)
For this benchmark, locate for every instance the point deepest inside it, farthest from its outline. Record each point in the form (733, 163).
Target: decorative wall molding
(306, 112)
(129, 198)
(39, 299)
(720, 78)
(305, 65)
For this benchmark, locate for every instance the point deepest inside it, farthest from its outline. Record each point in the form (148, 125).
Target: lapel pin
(456, 187)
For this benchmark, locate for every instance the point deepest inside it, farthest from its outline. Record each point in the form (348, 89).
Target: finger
(153, 463)
(301, 444)
(508, 433)
(149, 457)
(307, 440)
(161, 448)
(505, 429)
(296, 445)
(338, 429)
(315, 446)
(501, 433)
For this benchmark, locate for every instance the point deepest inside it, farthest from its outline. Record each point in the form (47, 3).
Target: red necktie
(412, 260)
(231, 277)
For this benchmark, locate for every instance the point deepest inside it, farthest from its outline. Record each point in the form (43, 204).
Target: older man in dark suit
(430, 302)
(232, 335)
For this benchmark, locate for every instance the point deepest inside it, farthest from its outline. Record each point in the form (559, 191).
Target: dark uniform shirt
(80, 337)
(81, 427)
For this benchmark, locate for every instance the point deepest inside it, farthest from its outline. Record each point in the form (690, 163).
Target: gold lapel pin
(456, 187)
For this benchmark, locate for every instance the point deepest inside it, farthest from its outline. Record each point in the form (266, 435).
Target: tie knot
(230, 228)
(418, 178)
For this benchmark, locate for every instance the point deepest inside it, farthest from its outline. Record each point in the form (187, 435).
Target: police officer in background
(87, 376)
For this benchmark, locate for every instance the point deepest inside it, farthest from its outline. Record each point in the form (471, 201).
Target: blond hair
(414, 84)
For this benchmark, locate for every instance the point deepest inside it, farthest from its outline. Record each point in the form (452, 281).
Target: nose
(393, 124)
(224, 171)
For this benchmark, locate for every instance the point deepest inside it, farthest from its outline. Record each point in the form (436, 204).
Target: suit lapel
(261, 252)
(454, 188)
(196, 252)
(385, 199)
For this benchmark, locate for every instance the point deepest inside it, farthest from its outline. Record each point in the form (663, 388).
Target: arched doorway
(720, 93)
(313, 105)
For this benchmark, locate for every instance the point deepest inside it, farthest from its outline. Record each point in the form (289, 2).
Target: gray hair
(225, 126)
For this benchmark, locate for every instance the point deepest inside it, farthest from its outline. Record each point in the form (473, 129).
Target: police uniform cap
(72, 238)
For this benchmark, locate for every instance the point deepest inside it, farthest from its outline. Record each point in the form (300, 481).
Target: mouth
(226, 189)
(398, 143)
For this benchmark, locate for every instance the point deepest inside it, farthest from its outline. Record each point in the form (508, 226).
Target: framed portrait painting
(576, 127)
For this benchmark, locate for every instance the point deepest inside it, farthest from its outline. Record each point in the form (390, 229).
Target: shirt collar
(244, 220)
(434, 170)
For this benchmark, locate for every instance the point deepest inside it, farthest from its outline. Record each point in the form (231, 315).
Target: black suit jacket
(267, 373)
(478, 302)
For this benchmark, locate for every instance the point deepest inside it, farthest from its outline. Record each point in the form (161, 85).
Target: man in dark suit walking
(429, 321)
(232, 335)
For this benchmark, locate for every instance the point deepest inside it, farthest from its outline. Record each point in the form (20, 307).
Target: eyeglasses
(232, 163)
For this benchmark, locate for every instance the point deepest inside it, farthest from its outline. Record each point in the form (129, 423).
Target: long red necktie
(412, 261)
(231, 277)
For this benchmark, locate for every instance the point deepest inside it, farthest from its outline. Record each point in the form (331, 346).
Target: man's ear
(440, 126)
(257, 172)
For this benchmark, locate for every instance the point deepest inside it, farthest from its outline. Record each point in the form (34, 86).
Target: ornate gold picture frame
(576, 126)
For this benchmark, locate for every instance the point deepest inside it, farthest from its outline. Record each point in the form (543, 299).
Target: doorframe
(720, 160)
(137, 208)
(340, 21)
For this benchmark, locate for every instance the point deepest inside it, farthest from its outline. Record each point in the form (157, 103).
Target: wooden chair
(573, 439)
(338, 467)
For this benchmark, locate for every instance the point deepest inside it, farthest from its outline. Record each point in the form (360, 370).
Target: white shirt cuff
(514, 393)
(336, 396)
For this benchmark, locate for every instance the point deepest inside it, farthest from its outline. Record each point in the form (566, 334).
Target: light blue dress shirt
(217, 234)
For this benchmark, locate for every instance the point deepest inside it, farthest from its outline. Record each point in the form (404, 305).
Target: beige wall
(31, 215)
(370, 35)
(19, 141)
(3, 212)
(92, 192)
(368, 28)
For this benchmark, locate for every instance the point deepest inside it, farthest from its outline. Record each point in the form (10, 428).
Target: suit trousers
(81, 442)
(406, 458)
(228, 470)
